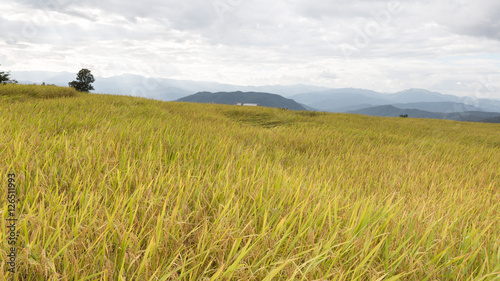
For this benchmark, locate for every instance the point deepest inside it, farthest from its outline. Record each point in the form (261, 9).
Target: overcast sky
(451, 46)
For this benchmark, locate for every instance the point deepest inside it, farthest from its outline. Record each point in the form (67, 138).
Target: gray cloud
(392, 45)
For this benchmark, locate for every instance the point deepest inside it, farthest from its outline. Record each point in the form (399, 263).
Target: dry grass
(122, 188)
(19, 92)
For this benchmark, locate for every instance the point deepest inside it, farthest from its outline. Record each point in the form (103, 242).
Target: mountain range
(156, 88)
(346, 100)
(262, 99)
(418, 103)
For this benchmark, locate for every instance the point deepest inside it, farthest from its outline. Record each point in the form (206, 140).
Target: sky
(450, 46)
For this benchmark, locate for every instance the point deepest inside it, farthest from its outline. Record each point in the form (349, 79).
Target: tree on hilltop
(4, 78)
(83, 81)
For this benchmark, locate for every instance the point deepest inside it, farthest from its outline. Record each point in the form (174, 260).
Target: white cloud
(376, 44)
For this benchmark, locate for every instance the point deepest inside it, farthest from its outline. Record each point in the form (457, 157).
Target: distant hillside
(492, 120)
(392, 111)
(314, 97)
(442, 107)
(488, 104)
(349, 99)
(263, 99)
(474, 116)
(341, 100)
(421, 95)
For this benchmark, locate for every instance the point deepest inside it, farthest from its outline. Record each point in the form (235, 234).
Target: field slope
(123, 188)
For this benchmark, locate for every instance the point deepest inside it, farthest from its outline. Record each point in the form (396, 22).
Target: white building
(246, 104)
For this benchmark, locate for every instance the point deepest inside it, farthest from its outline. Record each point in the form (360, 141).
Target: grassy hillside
(123, 188)
(17, 92)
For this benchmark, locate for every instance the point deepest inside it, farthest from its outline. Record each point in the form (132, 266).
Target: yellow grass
(17, 92)
(123, 188)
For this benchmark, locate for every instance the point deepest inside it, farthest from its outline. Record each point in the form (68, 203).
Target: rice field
(124, 188)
